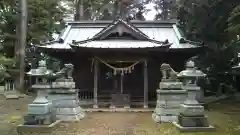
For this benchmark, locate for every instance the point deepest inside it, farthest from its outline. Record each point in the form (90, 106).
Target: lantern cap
(41, 70)
(191, 71)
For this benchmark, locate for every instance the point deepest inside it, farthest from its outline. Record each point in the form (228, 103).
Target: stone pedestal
(64, 84)
(12, 94)
(40, 112)
(191, 117)
(169, 97)
(66, 102)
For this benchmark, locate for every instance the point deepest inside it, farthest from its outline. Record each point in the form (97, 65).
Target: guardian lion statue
(65, 73)
(168, 74)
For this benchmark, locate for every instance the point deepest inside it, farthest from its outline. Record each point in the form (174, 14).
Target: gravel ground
(224, 116)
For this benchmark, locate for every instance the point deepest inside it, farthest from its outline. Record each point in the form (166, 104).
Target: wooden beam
(145, 75)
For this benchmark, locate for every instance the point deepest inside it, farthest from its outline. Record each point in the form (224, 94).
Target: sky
(151, 14)
(148, 15)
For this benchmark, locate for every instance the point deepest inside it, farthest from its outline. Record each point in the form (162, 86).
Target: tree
(166, 9)
(91, 9)
(207, 21)
(45, 17)
(107, 9)
(22, 43)
(234, 22)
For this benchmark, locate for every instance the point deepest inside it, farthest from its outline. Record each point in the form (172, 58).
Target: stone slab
(170, 85)
(43, 108)
(41, 86)
(21, 129)
(61, 91)
(31, 119)
(69, 85)
(72, 111)
(22, 95)
(192, 88)
(11, 96)
(66, 103)
(188, 110)
(169, 118)
(173, 104)
(53, 97)
(172, 96)
(64, 117)
(200, 121)
(194, 129)
(70, 114)
(167, 111)
(170, 91)
(160, 118)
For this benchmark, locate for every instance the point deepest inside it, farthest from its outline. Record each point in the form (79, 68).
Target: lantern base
(194, 129)
(191, 110)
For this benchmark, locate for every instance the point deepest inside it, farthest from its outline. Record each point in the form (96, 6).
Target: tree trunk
(16, 56)
(22, 45)
(79, 15)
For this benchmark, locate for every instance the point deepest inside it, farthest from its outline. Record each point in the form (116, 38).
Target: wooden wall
(133, 83)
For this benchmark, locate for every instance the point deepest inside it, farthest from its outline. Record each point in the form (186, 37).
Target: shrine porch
(86, 100)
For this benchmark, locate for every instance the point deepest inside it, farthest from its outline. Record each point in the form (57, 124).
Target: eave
(164, 48)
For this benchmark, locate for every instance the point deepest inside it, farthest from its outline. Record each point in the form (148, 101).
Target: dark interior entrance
(117, 83)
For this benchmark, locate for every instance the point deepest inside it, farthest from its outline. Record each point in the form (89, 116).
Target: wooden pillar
(95, 102)
(121, 83)
(145, 75)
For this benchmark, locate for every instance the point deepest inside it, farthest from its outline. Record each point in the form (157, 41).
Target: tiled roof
(160, 31)
(119, 44)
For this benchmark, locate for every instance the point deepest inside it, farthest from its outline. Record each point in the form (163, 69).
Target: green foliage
(207, 21)
(45, 17)
(106, 9)
(234, 22)
(5, 63)
(166, 9)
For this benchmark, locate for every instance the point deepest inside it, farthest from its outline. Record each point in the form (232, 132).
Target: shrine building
(120, 59)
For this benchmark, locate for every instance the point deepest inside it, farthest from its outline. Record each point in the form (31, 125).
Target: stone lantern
(189, 77)
(191, 116)
(40, 112)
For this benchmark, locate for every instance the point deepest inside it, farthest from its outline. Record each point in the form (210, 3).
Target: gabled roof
(121, 26)
(156, 31)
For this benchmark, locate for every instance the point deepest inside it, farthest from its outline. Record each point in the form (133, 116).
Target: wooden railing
(85, 95)
(104, 97)
(8, 86)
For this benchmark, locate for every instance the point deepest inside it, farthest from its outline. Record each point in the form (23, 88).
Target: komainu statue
(65, 73)
(168, 74)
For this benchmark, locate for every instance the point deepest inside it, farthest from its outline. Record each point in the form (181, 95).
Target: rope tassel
(117, 70)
